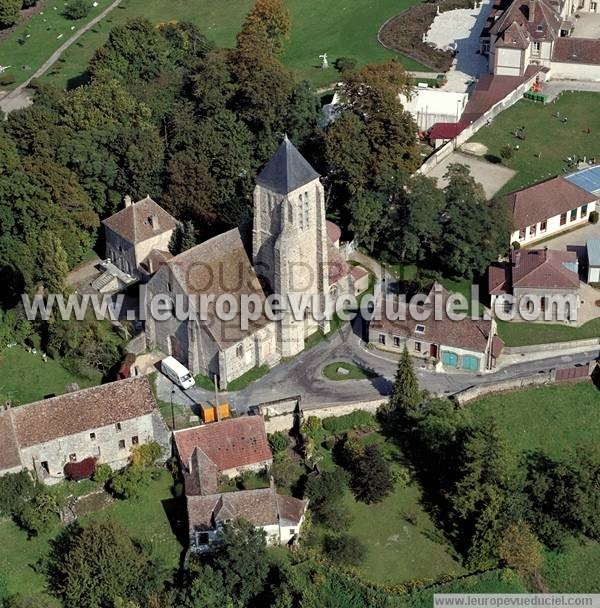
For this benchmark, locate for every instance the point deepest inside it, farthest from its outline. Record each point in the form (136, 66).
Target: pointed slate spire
(287, 170)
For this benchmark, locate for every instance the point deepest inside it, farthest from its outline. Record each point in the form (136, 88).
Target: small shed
(208, 412)
(593, 255)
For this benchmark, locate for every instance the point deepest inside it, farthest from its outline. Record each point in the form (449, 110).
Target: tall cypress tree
(406, 394)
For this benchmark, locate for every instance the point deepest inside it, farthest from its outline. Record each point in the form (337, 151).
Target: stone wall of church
(120, 251)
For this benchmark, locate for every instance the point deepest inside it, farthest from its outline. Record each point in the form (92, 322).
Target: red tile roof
(544, 268)
(546, 199)
(334, 232)
(10, 457)
(229, 444)
(577, 50)
(75, 412)
(497, 346)
(446, 130)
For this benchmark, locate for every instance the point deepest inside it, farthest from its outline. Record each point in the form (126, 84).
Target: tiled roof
(536, 18)
(261, 507)
(577, 50)
(497, 346)
(79, 411)
(498, 279)
(468, 334)
(10, 456)
(203, 476)
(140, 221)
(446, 130)
(545, 200)
(544, 268)
(514, 37)
(232, 443)
(287, 171)
(219, 266)
(334, 232)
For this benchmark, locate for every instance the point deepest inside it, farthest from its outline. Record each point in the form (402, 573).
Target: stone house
(470, 344)
(548, 208)
(344, 278)
(104, 422)
(544, 273)
(285, 253)
(137, 237)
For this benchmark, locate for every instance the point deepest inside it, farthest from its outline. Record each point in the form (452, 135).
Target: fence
(554, 346)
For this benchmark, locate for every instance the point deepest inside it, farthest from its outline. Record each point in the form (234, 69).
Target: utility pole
(172, 410)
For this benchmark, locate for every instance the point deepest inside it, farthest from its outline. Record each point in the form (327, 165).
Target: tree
(344, 549)
(130, 482)
(39, 513)
(146, 455)
(93, 567)
(368, 218)
(268, 24)
(278, 441)
(77, 9)
(371, 479)
(15, 490)
(10, 10)
(520, 549)
(285, 471)
(242, 560)
(406, 394)
(326, 486)
(53, 265)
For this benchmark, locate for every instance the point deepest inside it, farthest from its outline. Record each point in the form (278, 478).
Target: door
(433, 351)
(471, 363)
(450, 359)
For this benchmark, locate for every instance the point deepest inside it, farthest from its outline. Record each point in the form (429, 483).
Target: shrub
(506, 152)
(38, 515)
(371, 476)
(344, 549)
(278, 442)
(345, 63)
(80, 470)
(326, 486)
(102, 474)
(334, 515)
(146, 455)
(516, 245)
(129, 482)
(311, 426)
(401, 476)
(77, 9)
(15, 490)
(7, 80)
(285, 471)
(359, 419)
(594, 216)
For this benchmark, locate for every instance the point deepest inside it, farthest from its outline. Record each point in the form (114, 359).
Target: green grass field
(338, 28)
(552, 418)
(575, 570)
(546, 135)
(516, 333)
(354, 372)
(148, 519)
(24, 377)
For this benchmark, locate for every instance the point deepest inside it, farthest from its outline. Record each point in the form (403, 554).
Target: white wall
(594, 275)
(575, 71)
(508, 62)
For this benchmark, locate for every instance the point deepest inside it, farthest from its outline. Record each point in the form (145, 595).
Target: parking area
(573, 240)
(491, 176)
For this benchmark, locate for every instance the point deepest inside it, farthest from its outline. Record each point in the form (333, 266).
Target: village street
(302, 376)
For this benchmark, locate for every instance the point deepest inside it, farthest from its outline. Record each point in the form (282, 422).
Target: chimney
(153, 219)
(531, 10)
(127, 200)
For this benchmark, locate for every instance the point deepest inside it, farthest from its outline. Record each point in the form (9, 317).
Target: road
(302, 376)
(18, 97)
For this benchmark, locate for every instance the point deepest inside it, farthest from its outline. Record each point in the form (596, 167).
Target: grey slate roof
(288, 170)
(593, 251)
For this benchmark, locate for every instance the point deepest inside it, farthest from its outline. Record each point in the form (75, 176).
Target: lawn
(515, 333)
(34, 41)
(24, 377)
(250, 376)
(145, 519)
(552, 418)
(575, 570)
(545, 134)
(338, 28)
(330, 371)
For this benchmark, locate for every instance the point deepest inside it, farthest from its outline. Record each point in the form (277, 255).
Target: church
(287, 251)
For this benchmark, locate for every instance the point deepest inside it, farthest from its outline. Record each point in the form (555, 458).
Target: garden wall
(554, 346)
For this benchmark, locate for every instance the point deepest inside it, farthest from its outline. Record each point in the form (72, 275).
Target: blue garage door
(471, 363)
(450, 359)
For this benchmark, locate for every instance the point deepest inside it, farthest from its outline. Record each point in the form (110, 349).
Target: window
(583, 211)
(594, 7)
(540, 28)
(168, 285)
(532, 230)
(72, 457)
(239, 350)
(418, 347)
(44, 464)
(121, 444)
(118, 426)
(396, 341)
(292, 531)
(135, 440)
(537, 47)
(203, 538)
(563, 219)
(420, 329)
(573, 214)
(381, 338)
(543, 226)
(92, 436)
(522, 235)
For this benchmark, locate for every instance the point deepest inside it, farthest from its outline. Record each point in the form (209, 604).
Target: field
(353, 371)
(148, 519)
(24, 377)
(545, 135)
(552, 418)
(338, 28)
(525, 334)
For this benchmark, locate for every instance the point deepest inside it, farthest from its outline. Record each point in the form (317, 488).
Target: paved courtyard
(587, 25)
(491, 176)
(459, 30)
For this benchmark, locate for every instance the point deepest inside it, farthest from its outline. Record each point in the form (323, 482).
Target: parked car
(177, 372)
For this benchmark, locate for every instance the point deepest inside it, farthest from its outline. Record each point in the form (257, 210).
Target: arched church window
(306, 210)
(300, 214)
(290, 212)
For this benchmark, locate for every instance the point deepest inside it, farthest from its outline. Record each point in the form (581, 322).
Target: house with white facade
(547, 208)
(103, 422)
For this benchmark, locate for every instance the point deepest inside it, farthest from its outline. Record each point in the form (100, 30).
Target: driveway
(492, 177)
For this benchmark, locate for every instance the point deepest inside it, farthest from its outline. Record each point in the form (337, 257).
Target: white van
(177, 372)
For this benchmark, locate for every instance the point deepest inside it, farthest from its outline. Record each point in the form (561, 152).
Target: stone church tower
(289, 247)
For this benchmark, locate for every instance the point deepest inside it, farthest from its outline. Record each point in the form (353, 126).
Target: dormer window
(540, 28)
(420, 329)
